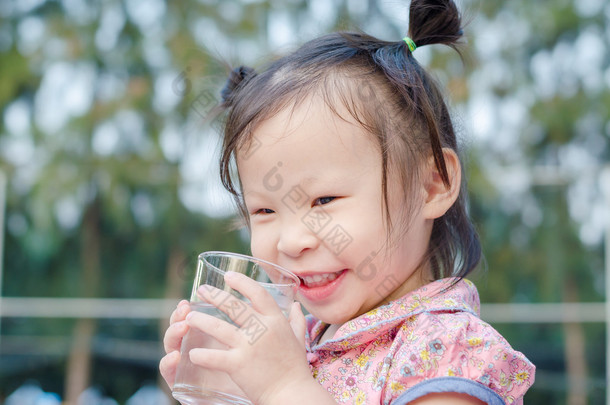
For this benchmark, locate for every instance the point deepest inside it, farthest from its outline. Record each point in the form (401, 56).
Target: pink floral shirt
(430, 340)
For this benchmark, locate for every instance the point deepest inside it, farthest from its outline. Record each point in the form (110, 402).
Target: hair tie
(410, 43)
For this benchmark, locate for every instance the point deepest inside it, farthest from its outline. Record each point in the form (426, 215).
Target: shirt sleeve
(455, 352)
(450, 384)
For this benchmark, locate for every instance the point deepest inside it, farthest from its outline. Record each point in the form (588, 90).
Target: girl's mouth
(318, 287)
(319, 280)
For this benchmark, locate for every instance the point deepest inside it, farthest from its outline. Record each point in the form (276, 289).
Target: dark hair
(386, 90)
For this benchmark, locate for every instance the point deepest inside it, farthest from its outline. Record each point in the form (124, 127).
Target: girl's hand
(266, 350)
(172, 341)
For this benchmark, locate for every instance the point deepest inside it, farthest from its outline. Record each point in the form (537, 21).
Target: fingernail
(230, 274)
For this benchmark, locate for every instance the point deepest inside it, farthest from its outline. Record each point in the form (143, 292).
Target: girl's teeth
(320, 279)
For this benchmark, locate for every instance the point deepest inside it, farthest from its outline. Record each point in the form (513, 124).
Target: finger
(260, 298)
(220, 330)
(213, 295)
(180, 312)
(173, 336)
(211, 359)
(232, 309)
(297, 322)
(168, 366)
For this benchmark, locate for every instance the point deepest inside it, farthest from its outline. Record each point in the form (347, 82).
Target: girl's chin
(327, 317)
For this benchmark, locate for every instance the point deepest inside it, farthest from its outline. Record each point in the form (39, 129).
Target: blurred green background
(108, 172)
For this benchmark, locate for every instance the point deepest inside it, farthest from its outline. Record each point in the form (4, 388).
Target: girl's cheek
(255, 250)
(257, 244)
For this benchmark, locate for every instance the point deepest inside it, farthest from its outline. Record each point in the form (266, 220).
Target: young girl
(348, 175)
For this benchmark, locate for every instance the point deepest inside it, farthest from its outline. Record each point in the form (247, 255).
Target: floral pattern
(434, 331)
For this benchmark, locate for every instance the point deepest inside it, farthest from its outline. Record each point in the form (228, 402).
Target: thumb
(297, 322)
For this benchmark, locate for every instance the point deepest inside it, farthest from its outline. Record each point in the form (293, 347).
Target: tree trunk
(575, 352)
(79, 362)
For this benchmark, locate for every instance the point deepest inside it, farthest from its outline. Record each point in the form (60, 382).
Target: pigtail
(236, 82)
(435, 22)
(454, 248)
(237, 77)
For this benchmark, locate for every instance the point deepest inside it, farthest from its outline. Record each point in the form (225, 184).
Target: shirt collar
(445, 295)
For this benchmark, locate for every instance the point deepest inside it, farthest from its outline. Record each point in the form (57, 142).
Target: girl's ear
(439, 197)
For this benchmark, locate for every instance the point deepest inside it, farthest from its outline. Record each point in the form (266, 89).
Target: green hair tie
(410, 44)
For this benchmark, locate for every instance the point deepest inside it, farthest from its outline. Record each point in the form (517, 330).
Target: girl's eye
(263, 211)
(323, 200)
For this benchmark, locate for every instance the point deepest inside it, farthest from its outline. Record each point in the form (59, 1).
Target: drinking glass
(196, 385)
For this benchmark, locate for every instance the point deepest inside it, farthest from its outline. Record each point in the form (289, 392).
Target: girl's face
(312, 187)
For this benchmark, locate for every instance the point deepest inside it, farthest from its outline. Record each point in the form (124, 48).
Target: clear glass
(195, 385)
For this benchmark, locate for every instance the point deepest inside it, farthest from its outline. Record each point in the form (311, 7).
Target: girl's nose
(296, 238)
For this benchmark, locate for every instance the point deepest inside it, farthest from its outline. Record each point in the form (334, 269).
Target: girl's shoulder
(443, 343)
(424, 342)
